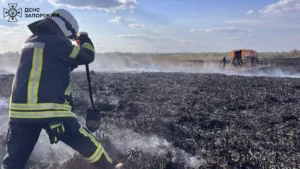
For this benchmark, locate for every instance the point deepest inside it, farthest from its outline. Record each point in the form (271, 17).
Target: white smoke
(8, 65)
(148, 64)
(3, 127)
(3, 103)
(50, 154)
(115, 63)
(125, 140)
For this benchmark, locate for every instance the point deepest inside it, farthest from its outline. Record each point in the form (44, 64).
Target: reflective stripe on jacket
(41, 88)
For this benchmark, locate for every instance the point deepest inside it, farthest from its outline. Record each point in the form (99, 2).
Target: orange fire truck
(244, 58)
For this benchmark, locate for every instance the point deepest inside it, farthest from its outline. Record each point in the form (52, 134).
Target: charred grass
(223, 121)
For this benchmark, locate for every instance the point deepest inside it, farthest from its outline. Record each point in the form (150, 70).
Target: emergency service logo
(12, 12)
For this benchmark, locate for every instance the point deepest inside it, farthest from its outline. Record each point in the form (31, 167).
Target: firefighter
(224, 62)
(252, 61)
(41, 93)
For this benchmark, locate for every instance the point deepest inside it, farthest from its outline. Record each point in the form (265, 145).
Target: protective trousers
(24, 136)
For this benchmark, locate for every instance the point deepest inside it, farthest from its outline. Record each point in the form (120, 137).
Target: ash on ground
(186, 121)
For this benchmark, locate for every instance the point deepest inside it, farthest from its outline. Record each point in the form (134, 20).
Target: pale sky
(170, 25)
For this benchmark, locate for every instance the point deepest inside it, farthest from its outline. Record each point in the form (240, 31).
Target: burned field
(205, 120)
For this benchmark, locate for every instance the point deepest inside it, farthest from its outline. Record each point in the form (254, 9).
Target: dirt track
(224, 121)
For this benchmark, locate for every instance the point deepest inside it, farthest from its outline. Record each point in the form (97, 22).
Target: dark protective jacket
(41, 90)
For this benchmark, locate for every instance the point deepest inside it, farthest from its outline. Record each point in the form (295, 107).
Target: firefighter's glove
(56, 132)
(84, 38)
